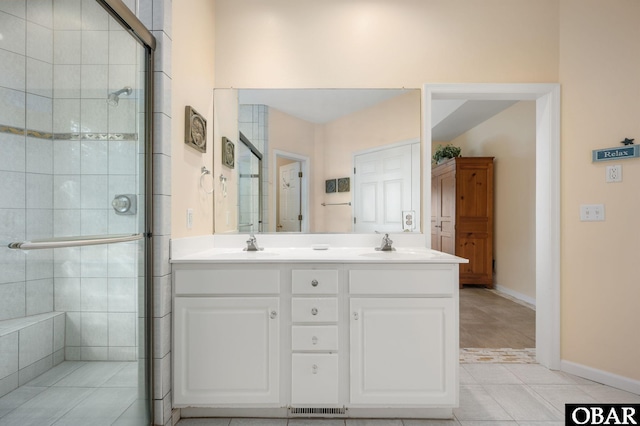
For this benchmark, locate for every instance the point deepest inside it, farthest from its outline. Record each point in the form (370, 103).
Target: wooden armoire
(462, 215)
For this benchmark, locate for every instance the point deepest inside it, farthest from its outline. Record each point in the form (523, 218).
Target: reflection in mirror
(333, 160)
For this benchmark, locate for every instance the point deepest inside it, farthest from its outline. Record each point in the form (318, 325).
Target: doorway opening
(291, 188)
(547, 194)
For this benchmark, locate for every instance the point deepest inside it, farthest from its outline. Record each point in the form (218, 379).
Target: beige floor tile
(477, 404)
(522, 403)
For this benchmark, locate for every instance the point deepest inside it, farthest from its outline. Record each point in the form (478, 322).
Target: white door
(289, 198)
(386, 184)
(228, 350)
(403, 351)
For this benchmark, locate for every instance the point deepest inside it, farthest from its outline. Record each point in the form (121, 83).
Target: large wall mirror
(318, 160)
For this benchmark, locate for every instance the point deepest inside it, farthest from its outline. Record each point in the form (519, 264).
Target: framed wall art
(344, 184)
(228, 153)
(195, 129)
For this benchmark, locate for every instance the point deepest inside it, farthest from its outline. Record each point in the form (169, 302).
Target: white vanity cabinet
(226, 337)
(403, 336)
(278, 339)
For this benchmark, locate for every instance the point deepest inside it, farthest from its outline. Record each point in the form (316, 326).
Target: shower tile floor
(77, 393)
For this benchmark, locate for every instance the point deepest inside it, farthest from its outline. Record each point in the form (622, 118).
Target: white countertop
(206, 251)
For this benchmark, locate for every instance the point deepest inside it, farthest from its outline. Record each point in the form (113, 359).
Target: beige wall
(191, 84)
(589, 46)
(510, 137)
(600, 76)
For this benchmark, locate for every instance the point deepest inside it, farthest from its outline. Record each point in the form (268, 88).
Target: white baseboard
(516, 294)
(604, 377)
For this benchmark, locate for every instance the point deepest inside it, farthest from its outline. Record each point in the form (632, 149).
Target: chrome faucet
(252, 244)
(386, 243)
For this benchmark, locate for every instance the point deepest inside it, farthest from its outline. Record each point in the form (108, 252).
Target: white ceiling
(450, 118)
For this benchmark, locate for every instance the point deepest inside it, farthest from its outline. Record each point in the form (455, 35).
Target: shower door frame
(118, 10)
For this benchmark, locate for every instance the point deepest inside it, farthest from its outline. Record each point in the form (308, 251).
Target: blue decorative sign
(629, 151)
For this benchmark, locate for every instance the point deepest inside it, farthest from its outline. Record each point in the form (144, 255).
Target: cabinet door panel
(403, 351)
(226, 350)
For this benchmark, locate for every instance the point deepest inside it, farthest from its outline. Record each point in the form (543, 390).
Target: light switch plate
(592, 212)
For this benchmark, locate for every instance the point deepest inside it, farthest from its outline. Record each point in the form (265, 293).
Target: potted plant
(445, 152)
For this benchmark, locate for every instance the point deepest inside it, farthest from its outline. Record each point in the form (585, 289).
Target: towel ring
(205, 172)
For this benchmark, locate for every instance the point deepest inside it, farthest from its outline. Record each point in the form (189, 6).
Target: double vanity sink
(314, 326)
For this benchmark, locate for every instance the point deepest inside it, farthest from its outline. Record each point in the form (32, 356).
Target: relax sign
(616, 153)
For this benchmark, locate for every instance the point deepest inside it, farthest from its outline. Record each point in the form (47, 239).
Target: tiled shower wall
(65, 154)
(253, 122)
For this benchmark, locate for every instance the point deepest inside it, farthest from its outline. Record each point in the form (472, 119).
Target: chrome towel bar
(78, 241)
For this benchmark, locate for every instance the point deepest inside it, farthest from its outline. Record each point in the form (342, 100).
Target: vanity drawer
(314, 379)
(314, 338)
(436, 281)
(314, 281)
(226, 281)
(314, 309)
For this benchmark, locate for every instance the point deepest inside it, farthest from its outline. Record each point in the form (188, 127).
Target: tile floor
(490, 395)
(77, 394)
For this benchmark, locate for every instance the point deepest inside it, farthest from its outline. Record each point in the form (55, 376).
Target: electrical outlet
(592, 212)
(614, 173)
(189, 218)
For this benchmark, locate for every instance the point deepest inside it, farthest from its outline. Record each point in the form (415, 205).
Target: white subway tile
(66, 262)
(66, 115)
(94, 82)
(39, 42)
(66, 157)
(40, 265)
(13, 152)
(94, 157)
(36, 342)
(68, 47)
(17, 8)
(40, 12)
(39, 296)
(94, 16)
(12, 106)
(12, 300)
(39, 78)
(122, 329)
(94, 192)
(122, 118)
(12, 70)
(95, 47)
(122, 48)
(16, 28)
(66, 81)
(94, 353)
(94, 115)
(122, 157)
(94, 222)
(66, 294)
(66, 222)
(94, 329)
(32, 371)
(39, 224)
(12, 190)
(67, 14)
(72, 353)
(40, 159)
(59, 325)
(8, 354)
(123, 260)
(94, 261)
(66, 192)
(93, 294)
(39, 194)
(39, 113)
(73, 330)
(122, 294)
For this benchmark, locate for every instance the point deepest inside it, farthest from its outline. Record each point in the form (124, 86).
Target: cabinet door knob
(356, 316)
(314, 340)
(273, 314)
(314, 311)
(314, 283)
(314, 369)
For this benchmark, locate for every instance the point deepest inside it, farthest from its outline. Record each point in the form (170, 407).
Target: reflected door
(384, 182)
(289, 197)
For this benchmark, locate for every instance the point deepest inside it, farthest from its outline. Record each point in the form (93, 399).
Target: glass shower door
(72, 217)
(249, 187)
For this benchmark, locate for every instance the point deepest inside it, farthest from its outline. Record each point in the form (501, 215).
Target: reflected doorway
(291, 206)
